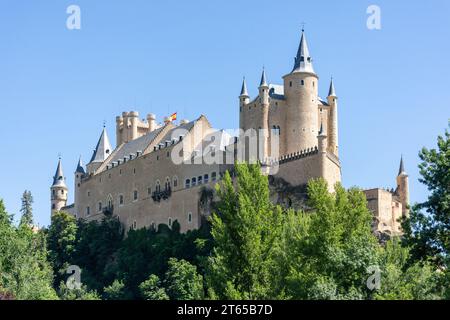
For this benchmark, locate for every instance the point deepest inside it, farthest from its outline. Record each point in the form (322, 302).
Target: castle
(158, 172)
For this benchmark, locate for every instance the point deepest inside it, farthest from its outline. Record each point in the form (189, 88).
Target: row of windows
(302, 82)
(199, 180)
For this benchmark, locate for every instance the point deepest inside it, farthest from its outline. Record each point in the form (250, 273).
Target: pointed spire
(303, 60)
(244, 91)
(402, 167)
(263, 79)
(321, 131)
(103, 148)
(332, 91)
(58, 179)
(80, 168)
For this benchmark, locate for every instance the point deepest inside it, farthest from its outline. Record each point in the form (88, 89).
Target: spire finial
(332, 91)
(244, 91)
(303, 26)
(263, 82)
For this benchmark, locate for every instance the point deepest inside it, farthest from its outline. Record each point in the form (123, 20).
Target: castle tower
(263, 127)
(322, 147)
(119, 131)
(79, 174)
(151, 120)
(403, 188)
(58, 190)
(101, 152)
(301, 93)
(333, 141)
(244, 99)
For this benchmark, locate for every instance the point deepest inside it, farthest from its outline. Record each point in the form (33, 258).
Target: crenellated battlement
(293, 156)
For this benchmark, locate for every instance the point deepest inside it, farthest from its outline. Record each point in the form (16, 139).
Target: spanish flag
(173, 117)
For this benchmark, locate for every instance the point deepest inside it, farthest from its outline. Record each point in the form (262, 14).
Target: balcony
(157, 196)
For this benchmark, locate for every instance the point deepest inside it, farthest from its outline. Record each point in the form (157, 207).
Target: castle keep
(141, 183)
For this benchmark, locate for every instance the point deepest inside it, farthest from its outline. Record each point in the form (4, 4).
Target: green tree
(245, 229)
(116, 291)
(331, 250)
(76, 294)
(27, 209)
(24, 270)
(183, 282)
(427, 231)
(400, 281)
(151, 289)
(61, 243)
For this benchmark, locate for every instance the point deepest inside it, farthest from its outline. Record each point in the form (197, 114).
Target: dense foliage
(248, 249)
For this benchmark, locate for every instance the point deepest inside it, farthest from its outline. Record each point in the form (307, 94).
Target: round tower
(333, 141)
(120, 129)
(263, 133)
(79, 174)
(134, 118)
(322, 148)
(244, 99)
(58, 190)
(301, 94)
(403, 188)
(151, 120)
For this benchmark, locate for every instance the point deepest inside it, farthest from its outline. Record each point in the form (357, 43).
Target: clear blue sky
(57, 86)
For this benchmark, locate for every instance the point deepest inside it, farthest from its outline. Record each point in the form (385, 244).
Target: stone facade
(159, 173)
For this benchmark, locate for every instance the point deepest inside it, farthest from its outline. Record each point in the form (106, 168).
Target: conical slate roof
(303, 60)
(244, 91)
(80, 168)
(58, 179)
(103, 148)
(263, 82)
(332, 91)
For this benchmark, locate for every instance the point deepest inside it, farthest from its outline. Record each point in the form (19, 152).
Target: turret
(119, 131)
(134, 118)
(264, 117)
(58, 190)
(101, 152)
(403, 188)
(151, 120)
(301, 94)
(322, 147)
(333, 141)
(79, 174)
(244, 99)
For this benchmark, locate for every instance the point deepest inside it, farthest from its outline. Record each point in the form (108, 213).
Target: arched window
(99, 206)
(188, 183)
(194, 182)
(206, 178)
(158, 186)
(167, 184)
(110, 202)
(170, 222)
(303, 82)
(200, 180)
(214, 176)
(175, 182)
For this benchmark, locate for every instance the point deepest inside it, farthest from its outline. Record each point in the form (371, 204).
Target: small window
(190, 217)
(194, 182)
(200, 180)
(158, 186)
(170, 222)
(88, 211)
(135, 195)
(153, 226)
(302, 82)
(88, 193)
(99, 206)
(206, 178)
(53, 206)
(62, 192)
(134, 171)
(290, 84)
(214, 176)
(175, 182)
(168, 154)
(121, 199)
(120, 171)
(187, 183)
(134, 225)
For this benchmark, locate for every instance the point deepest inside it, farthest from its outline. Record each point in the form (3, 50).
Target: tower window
(170, 222)
(99, 206)
(134, 171)
(135, 195)
(53, 206)
(190, 217)
(88, 211)
(302, 82)
(121, 200)
(290, 84)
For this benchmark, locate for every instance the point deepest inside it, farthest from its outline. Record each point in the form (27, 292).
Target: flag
(173, 117)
